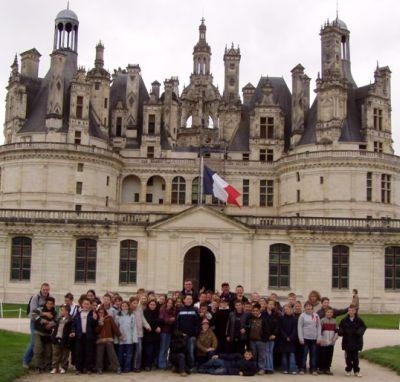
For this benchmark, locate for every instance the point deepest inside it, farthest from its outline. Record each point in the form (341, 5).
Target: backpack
(28, 307)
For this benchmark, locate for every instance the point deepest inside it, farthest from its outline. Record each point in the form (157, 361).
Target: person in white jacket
(309, 331)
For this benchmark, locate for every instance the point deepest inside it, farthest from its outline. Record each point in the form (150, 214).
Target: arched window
(21, 256)
(155, 190)
(131, 189)
(340, 267)
(392, 268)
(279, 266)
(85, 260)
(178, 192)
(210, 123)
(128, 262)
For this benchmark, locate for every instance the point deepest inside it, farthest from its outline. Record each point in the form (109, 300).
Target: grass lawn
(12, 347)
(388, 356)
(378, 321)
(12, 310)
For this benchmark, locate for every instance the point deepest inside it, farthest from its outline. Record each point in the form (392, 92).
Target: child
(126, 323)
(258, 333)
(83, 327)
(206, 343)
(288, 339)
(141, 323)
(44, 320)
(352, 329)
(106, 329)
(167, 314)
(329, 336)
(61, 341)
(271, 316)
(309, 331)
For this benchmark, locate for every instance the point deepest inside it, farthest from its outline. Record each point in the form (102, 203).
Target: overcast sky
(159, 35)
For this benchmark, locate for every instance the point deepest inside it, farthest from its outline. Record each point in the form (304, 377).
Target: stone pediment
(200, 219)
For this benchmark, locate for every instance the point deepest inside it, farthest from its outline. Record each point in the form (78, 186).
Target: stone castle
(100, 181)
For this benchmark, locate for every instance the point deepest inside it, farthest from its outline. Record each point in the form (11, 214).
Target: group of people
(215, 333)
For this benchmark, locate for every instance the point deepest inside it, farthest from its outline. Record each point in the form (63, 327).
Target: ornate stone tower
(201, 53)
(232, 63)
(63, 66)
(333, 85)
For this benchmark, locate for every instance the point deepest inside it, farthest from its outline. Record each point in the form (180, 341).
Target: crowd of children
(215, 333)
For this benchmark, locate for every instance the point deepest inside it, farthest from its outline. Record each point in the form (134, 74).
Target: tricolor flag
(213, 184)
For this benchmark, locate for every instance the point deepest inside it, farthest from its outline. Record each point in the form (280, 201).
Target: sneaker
(301, 372)
(62, 371)
(261, 372)
(314, 373)
(25, 366)
(328, 372)
(53, 371)
(294, 373)
(183, 374)
(119, 371)
(285, 372)
(358, 374)
(348, 374)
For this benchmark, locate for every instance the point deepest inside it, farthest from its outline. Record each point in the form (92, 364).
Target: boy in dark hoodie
(61, 341)
(231, 364)
(45, 321)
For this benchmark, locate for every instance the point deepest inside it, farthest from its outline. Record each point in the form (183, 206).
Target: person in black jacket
(220, 320)
(352, 329)
(61, 341)
(287, 340)
(230, 364)
(236, 329)
(178, 352)
(188, 322)
(151, 338)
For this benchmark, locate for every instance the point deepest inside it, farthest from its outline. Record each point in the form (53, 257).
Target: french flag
(213, 184)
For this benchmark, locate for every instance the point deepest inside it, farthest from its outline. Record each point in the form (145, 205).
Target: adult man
(37, 301)
(189, 290)
(227, 294)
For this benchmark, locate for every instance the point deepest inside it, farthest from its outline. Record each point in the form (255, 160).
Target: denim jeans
(310, 346)
(269, 355)
(125, 355)
(29, 350)
(213, 366)
(164, 347)
(137, 358)
(259, 353)
(289, 362)
(191, 346)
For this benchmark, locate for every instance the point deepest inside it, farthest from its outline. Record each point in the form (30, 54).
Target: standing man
(189, 290)
(37, 301)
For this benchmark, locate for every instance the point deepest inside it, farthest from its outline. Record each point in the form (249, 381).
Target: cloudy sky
(159, 35)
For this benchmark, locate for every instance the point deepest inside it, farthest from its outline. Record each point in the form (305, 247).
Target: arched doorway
(199, 266)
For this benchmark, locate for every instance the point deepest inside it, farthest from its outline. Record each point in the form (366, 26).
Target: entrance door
(199, 267)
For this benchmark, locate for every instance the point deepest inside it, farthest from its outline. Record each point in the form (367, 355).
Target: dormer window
(79, 107)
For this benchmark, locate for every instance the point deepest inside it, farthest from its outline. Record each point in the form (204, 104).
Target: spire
(99, 61)
(14, 65)
(202, 30)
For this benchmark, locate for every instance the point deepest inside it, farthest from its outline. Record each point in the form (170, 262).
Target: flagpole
(201, 178)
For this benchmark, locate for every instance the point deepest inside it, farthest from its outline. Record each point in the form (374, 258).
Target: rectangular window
(149, 198)
(150, 152)
(79, 107)
(392, 268)
(152, 124)
(266, 193)
(377, 119)
(118, 127)
(80, 167)
(79, 188)
(279, 266)
(270, 155)
(298, 176)
(105, 103)
(128, 262)
(340, 267)
(136, 197)
(21, 255)
(321, 180)
(369, 186)
(78, 136)
(298, 196)
(245, 192)
(270, 128)
(245, 157)
(107, 181)
(85, 260)
(106, 201)
(378, 147)
(263, 155)
(97, 85)
(385, 188)
(78, 207)
(263, 128)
